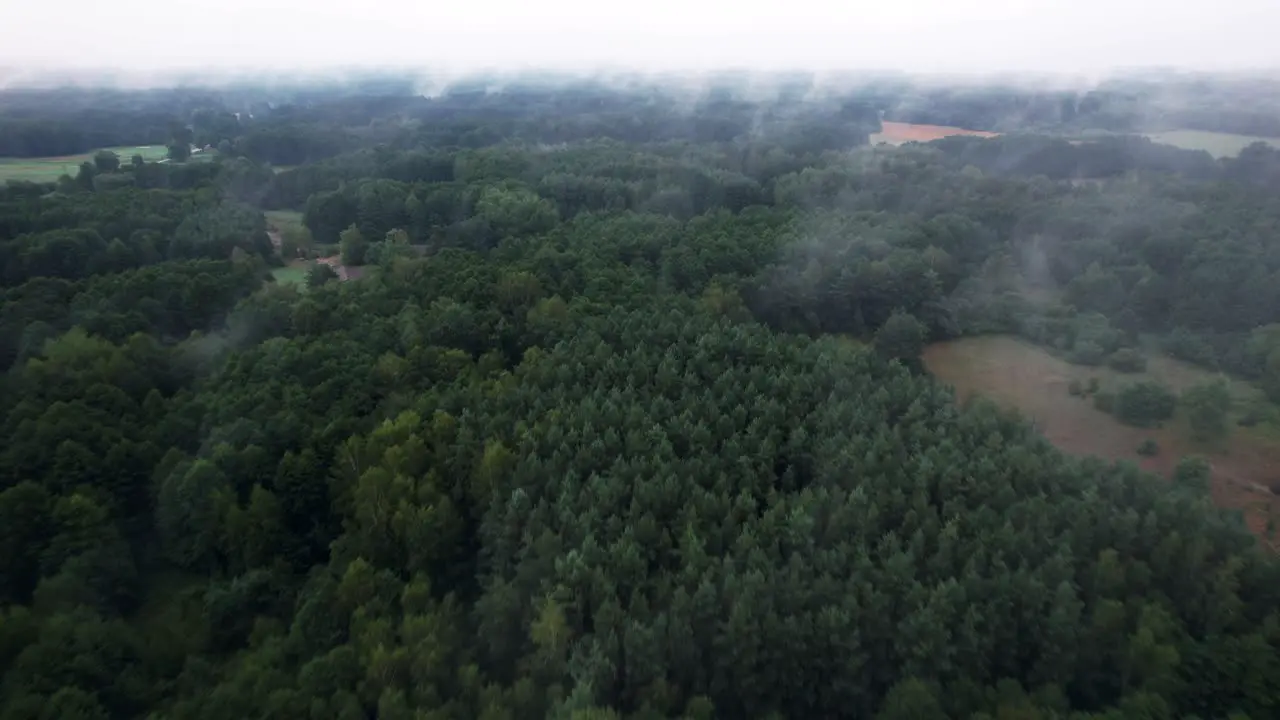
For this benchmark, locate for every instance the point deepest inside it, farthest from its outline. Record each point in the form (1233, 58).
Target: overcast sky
(1067, 36)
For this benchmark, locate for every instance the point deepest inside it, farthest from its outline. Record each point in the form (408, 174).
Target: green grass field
(293, 274)
(1215, 143)
(48, 169)
(284, 220)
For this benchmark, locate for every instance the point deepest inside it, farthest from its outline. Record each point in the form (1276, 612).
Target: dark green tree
(106, 161)
(901, 338)
(1145, 404)
(353, 246)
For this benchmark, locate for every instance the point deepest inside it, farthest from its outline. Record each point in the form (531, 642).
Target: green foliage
(901, 338)
(1263, 351)
(1087, 352)
(353, 246)
(106, 161)
(1127, 360)
(1193, 473)
(319, 274)
(1185, 345)
(1207, 406)
(191, 503)
(515, 212)
(1144, 404)
(585, 445)
(911, 699)
(1148, 448)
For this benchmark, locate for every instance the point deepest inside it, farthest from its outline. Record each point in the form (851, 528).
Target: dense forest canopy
(623, 413)
(283, 120)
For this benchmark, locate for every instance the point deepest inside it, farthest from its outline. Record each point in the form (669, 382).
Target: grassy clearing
(283, 220)
(1217, 144)
(48, 169)
(1022, 376)
(293, 274)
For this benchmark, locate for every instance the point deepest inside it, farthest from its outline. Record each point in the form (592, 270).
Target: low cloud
(930, 36)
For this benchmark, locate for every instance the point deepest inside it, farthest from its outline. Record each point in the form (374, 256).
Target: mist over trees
(625, 415)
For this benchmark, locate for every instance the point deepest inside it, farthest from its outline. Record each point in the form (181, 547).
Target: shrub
(1145, 404)
(1258, 411)
(1127, 360)
(1075, 388)
(1186, 345)
(1087, 353)
(319, 274)
(1148, 448)
(1207, 407)
(1094, 385)
(1193, 473)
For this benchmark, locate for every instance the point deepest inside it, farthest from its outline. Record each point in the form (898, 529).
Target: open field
(283, 220)
(896, 133)
(1217, 144)
(295, 273)
(1017, 374)
(48, 169)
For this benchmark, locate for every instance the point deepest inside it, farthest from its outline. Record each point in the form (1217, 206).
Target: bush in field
(1145, 404)
(1148, 448)
(1127, 360)
(1075, 388)
(1207, 408)
(319, 274)
(1193, 473)
(1186, 345)
(1258, 410)
(1087, 353)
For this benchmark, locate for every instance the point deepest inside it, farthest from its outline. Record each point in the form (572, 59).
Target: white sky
(1068, 36)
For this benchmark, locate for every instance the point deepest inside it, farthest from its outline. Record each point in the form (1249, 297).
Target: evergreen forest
(616, 409)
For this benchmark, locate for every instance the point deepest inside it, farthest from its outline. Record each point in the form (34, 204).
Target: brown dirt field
(896, 132)
(1017, 374)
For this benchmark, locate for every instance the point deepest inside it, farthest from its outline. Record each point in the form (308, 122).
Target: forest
(624, 416)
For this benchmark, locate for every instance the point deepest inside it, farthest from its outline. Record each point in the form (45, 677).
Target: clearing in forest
(1019, 375)
(295, 273)
(1217, 144)
(284, 219)
(48, 169)
(897, 133)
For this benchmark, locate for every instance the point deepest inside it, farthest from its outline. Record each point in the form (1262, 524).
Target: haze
(1057, 36)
